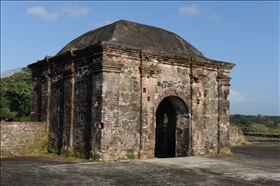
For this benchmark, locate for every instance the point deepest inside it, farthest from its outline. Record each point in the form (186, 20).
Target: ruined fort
(128, 90)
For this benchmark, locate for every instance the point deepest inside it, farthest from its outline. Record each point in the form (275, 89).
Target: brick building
(128, 90)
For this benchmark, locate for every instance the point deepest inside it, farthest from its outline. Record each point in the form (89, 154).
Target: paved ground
(254, 164)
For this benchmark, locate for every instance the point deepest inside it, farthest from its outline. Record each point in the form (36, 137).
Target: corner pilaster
(223, 110)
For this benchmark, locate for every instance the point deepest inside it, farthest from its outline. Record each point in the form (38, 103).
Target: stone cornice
(104, 48)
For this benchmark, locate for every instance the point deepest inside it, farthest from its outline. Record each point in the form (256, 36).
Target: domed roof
(136, 35)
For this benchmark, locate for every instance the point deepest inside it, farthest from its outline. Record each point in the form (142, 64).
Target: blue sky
(245, 33)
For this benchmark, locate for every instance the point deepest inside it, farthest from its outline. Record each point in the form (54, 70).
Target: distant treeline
(259, 124)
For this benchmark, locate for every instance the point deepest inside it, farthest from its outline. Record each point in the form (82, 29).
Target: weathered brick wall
(168, 80)
(96, 124)
(236, 136)
(23, 138)
(102, 102)
(120, 105)
(210, 103)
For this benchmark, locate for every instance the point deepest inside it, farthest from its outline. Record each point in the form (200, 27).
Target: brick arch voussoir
(167, 93)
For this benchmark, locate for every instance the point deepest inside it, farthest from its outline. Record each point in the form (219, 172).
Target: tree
(259, 123)
(15, 104)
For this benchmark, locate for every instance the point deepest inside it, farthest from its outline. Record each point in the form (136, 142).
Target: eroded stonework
(111, 100)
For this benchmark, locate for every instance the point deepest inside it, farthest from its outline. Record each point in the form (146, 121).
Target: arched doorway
(165, 130)
(172, 128)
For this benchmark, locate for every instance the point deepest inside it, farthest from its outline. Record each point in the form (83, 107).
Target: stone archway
(172, 128)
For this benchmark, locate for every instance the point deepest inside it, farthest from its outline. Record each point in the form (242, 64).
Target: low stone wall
(31, 138)
(23, 138)
(236, 136)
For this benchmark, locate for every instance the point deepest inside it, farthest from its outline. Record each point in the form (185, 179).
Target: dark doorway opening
(165, 130)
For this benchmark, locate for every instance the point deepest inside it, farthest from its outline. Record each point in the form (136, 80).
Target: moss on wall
(23, 138)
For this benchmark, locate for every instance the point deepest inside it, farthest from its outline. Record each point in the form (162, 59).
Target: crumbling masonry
(128, 90)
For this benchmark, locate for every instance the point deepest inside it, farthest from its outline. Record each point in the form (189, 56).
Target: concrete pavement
(254, 164)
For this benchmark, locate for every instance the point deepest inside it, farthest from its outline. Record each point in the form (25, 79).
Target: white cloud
(42, 13)
(193, 10)
(236, 97)
(74, 10)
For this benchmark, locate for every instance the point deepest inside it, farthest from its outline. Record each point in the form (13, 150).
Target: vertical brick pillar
(107, 139)
(223, 110)
(147, 126)
(41, 89)
(197, 84)
(44, 97)
(68, 114)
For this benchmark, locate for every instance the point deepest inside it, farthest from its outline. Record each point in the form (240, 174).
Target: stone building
(128, 90)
